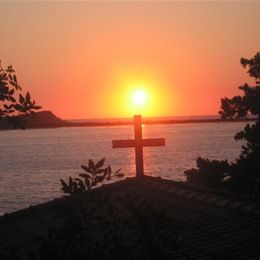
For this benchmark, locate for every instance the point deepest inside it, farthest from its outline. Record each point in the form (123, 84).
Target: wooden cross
(138, 143)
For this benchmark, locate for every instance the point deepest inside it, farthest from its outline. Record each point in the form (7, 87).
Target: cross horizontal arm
(133, 143)
(123, 143)
(153, 142)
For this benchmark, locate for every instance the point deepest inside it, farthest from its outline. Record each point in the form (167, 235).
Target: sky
(85, 59)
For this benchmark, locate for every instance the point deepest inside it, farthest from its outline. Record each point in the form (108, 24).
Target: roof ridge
(188, 191)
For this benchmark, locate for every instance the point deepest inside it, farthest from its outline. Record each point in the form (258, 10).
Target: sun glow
(139, 97)
(140, 93)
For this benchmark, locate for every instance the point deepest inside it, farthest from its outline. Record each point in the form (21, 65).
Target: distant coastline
(46, 119)
(158, 122)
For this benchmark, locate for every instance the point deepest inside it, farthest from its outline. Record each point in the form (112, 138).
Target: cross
(138, 143)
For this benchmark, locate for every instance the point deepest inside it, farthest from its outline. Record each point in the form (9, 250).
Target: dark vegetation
(103, 225)
(244, 174)
(94, 174)
(14, 107)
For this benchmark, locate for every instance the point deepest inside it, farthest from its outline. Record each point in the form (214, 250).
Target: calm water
(33, 161)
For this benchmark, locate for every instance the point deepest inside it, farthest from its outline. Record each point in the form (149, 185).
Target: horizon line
(145, 117)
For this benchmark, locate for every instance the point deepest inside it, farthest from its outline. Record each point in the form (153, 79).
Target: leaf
(11, 92)
(36, 107)
(63, 182)
(28, 97)
(21, 99)
(85, 168)
(65, 187)
(87, 182)
(74, 188)
(70, 181)
(17, 87)
(105, 172)
(87, 179)
(12, 99)
(10, 68)
(100, 171)
(15, 78)
(99, 179)
(80, 185)
(85, 175)
(91, 164)
(18, 107)
(100, 163)
(119, 170)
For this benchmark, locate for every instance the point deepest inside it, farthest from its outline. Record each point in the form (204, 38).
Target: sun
(139, 97)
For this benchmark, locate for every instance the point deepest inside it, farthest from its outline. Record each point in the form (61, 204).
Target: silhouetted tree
(13, 105)
(210, 173)
(244, 174)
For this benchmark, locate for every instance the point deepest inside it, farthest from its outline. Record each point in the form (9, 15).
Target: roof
(146, 218)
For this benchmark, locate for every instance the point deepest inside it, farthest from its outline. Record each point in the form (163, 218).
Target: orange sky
(83, 59)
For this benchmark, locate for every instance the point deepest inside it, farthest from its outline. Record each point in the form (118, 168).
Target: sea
(33, 161)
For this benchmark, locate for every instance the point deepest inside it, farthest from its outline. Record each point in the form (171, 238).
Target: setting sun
(139, 93)
(139, 97)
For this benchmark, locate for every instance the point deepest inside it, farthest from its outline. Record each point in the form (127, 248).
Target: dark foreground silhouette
(244, 174)
(144, 218)
(12, 101)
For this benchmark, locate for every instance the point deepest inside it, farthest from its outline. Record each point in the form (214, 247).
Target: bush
(94, 174)
(209, 172)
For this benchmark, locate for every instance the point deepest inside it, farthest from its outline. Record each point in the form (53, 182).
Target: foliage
(12, 102)
(249, 103)
(94, 174)
(244, 174)
(104, 225)
(209, 172)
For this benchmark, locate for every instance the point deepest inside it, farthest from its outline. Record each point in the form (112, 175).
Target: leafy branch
(12, 102)
(94, 174)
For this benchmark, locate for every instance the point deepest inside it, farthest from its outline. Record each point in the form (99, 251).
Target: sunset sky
(85, 59)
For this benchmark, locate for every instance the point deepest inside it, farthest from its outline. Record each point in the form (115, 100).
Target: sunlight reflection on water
(33, 161)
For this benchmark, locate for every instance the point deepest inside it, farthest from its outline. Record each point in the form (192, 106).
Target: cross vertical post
(138, 143)
(138, 148)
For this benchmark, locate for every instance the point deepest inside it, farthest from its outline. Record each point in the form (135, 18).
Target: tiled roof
(173, 220)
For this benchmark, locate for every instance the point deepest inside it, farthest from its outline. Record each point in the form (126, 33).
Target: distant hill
(42, 119)
(46, 119)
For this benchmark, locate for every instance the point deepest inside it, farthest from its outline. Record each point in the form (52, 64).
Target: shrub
(94, 174)
(209, 172)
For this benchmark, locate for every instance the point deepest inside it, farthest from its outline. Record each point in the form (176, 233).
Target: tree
(244, 174)
(14, 107)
